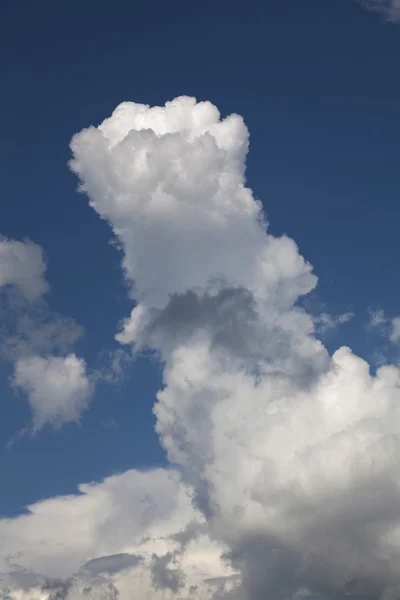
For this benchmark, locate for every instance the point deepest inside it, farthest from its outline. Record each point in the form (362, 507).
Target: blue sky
(316, 84)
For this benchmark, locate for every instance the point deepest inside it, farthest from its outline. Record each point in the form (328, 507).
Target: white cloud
(22, 264)
(390, 9)
(110, 536)
(58, 388)
(291, 454)
(171, 183)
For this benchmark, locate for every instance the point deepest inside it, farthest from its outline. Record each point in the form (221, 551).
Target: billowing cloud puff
(130, 535)
(171, 183)
(22, 264)
(58, 388)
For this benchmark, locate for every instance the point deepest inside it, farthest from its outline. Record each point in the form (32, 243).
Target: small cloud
(110, 424)
(377, 318)
(394, 335)
(324, 322)
(58, 388)
(389, 9)
(22, 264)
(17, 436)
(388, 327)
(113, 365)
(27, 329)
(38, 341)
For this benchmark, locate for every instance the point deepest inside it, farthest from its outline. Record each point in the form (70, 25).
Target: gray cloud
(281, 445)
(111, 564)
(231, 319)
(29, 329)
(164, 576)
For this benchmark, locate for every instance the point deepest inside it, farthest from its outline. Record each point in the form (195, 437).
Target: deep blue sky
(316, 82)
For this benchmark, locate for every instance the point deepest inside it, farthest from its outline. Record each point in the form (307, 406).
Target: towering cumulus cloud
(291, 454)
(285, 481)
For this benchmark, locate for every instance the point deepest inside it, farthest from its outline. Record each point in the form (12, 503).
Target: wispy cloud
(390, 9)
(388, 327)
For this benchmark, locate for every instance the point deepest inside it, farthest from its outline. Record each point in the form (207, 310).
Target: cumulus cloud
(285, 481)
(37, 341)
(22, 264)
(390, 9)
(171, 183)
(58, 388)
(118, 537)
(283, 446)
(290, 453)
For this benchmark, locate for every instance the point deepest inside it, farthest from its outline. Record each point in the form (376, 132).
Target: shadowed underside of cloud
(285, 481)
(111, 564)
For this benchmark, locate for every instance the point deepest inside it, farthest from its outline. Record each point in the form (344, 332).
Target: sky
(199, 307)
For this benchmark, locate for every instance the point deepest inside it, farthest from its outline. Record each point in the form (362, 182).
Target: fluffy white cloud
(58, 388)
(136, 533)
(390, 9)
(291, 454)
(22, 264)
(171, 183)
